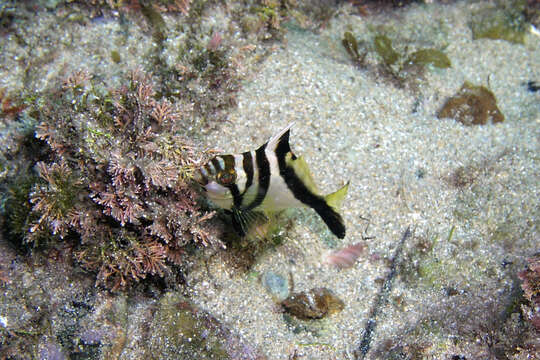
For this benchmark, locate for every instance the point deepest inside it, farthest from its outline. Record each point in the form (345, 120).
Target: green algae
(351, 45)
(506, 22)
(430, 57)
(16, 207)
(156, 22)
(472, 105)
(400, 67)
(115, 56)
(383, 47)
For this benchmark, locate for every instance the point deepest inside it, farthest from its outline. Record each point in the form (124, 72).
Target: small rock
(276, 285)
(313, 304)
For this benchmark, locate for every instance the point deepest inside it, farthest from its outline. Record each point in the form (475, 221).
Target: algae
(351, 45)
(506, 22)
(472, 105)
(383, 47)
(115, 56)
(430, 56)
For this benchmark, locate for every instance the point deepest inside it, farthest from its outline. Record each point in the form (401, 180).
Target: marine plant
(472, 105)
(399, 67)
(116, 183)
(506, 21)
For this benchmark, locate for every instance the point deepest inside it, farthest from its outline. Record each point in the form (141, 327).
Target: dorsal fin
(281, 137)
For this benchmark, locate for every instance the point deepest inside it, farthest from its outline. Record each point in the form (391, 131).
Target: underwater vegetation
(115, 184)
(505, 21)
(472, 105)
(107, 172)
(400, 68)
(382, 45)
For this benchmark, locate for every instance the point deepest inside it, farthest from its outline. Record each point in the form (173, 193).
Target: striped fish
(268, 179)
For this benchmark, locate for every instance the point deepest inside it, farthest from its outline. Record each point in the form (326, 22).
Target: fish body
(268, 179)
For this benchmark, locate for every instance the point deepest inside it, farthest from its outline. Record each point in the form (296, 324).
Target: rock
(180, 330)
(276, 285)
(313, 304)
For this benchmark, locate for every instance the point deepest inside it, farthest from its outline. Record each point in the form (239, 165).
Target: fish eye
(226, 177)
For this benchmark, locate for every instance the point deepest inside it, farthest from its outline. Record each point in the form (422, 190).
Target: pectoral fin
(244, 220)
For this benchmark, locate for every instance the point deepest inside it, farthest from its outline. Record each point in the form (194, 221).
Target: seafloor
(469, 195)
(400, 159)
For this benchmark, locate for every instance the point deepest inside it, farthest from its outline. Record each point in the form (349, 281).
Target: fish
(269, 179)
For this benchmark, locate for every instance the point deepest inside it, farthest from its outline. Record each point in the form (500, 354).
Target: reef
(116, 182)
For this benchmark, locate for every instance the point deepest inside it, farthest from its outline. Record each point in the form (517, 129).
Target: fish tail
(332, 219)
(328, 211)
(335, 199)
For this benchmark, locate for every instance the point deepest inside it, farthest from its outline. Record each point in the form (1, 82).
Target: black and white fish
(268, 179)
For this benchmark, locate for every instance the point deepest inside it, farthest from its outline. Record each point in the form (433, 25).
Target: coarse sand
(405, 166)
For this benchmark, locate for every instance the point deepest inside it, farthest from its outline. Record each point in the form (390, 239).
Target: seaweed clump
(116, 184)
(400, 67)
(472, 105)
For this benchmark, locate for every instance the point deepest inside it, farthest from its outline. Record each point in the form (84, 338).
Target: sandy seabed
(351, 123)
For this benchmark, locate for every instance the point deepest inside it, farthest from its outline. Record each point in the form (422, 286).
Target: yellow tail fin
(335, 199)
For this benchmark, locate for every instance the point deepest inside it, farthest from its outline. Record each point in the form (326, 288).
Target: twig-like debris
(381, 300)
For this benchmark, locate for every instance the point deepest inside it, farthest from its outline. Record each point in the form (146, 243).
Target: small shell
(345, 257)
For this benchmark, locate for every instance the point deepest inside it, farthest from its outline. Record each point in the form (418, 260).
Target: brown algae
(472, 105)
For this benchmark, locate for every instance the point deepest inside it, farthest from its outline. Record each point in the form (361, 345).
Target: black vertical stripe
(229, 162)
(332, 219)
(247, 163)
(264, 178)
(233, 188)
(217, 165)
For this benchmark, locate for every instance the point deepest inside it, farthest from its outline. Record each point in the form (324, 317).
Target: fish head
(217, 179)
